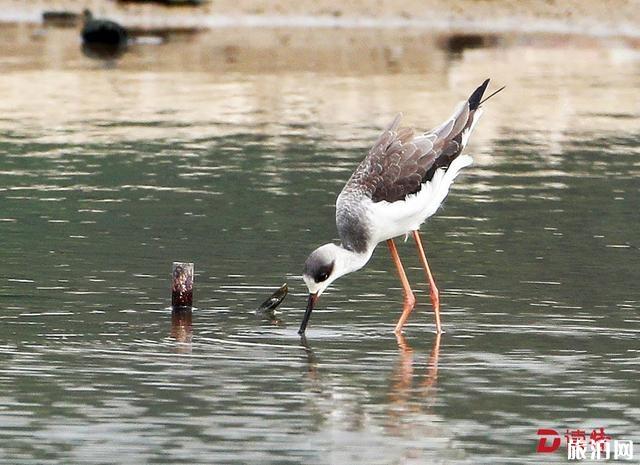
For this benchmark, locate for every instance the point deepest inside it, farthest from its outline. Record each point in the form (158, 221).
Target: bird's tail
(476, 97)
(454, 133)
(475, 110)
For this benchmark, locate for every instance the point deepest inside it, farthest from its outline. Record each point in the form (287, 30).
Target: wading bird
(402, 181)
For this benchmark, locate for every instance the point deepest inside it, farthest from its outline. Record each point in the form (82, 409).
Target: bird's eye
(323, 272)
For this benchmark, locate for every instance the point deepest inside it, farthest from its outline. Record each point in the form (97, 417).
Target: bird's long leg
(409, 299)
(433, 290)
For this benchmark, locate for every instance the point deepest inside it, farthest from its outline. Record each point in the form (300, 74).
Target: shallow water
(107, 175)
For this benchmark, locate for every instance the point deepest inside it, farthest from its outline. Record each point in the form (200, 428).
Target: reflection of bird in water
(405, 367)
(401, 182)
(408, 397)
(103, 39)
(411, 395)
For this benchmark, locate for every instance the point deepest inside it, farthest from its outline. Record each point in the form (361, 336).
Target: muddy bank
(590, 17)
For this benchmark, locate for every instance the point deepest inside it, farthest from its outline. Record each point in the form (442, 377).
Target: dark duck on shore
(102, 38)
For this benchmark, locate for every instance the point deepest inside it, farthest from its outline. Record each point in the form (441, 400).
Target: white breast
(391, 219)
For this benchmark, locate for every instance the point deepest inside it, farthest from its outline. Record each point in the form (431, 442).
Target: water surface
(107, 175)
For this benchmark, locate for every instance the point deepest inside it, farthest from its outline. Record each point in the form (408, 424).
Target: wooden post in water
(182, 285)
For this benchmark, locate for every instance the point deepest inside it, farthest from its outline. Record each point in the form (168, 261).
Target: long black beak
(307, 314)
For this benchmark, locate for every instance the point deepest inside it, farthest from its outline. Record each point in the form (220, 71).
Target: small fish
(269, 305)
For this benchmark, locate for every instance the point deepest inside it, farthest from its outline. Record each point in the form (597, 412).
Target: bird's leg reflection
(181, 326)
(403, 376)
(432, 368)
(405, 365)
(402, 385)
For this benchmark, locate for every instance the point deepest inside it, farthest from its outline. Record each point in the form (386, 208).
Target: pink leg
(409, 299)
(433, 290)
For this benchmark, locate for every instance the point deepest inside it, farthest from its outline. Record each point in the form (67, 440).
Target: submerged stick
(182, 285)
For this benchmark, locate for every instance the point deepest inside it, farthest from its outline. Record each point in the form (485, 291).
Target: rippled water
(109, 175)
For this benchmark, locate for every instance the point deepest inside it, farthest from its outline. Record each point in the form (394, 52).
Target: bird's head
(325, 264)
(321, 268)
(87, 15)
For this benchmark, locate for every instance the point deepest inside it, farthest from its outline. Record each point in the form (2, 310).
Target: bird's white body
(389, 220)
(392, 219)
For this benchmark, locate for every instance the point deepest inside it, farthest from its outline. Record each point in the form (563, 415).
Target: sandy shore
(584, 17)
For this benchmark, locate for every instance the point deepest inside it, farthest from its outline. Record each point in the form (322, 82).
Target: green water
(109, 175)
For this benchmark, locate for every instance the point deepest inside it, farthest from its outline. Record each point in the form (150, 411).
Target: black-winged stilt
(402, 181)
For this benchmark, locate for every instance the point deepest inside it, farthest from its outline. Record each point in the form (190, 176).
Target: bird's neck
(351, 261)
